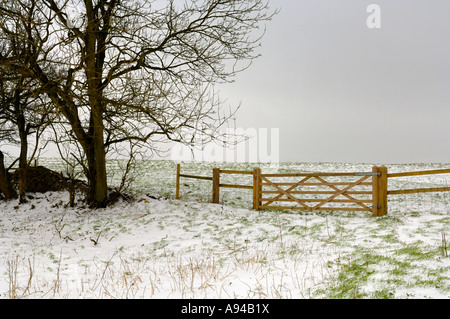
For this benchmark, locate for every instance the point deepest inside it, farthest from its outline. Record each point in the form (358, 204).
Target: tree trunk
(21, 126)
(23, 163)
(95, 55)
(96, 157)
(101, 185)
(72, 191)
(5, 185)
(97, 192)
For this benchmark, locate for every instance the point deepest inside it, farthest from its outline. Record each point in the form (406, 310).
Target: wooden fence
(419, 190)
(216, 185)
(349, 191)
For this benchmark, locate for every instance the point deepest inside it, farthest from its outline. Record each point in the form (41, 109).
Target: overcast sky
(339, 91)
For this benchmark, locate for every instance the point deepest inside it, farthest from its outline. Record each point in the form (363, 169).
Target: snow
(159, 247)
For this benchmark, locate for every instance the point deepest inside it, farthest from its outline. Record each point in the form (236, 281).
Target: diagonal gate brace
(342, 191)
(285, 192)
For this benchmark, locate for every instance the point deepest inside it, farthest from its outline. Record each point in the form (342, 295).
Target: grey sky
(340, 91)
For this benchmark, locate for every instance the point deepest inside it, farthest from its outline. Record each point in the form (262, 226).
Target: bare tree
(123, 71)
(23, 110)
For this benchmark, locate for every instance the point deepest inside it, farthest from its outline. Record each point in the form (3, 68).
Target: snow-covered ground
(159, 247)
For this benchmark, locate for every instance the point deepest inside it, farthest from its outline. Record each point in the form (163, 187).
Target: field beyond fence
(331, 191)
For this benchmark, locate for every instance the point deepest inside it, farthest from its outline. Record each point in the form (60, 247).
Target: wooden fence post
(375, 194)
(177, 193)
(383, 189)
(379, 191)
(257, 187)
(216, 185)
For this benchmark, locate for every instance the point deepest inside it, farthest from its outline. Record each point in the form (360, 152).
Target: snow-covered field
(159, 247)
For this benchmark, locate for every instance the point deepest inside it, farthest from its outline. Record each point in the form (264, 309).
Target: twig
(444, 246)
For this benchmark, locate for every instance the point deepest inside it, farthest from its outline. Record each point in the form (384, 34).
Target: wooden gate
(316, 191)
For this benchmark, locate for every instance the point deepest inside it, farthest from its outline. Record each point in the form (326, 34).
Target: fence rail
(419, 190)
(417, 173)
(196, 177)
(365, 191)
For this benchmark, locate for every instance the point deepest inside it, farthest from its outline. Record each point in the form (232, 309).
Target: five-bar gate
(350, 191)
